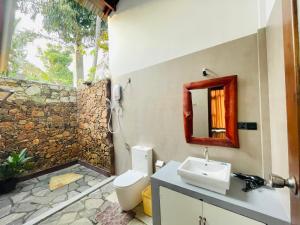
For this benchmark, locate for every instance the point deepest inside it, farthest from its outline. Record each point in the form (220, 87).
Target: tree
(57, 60)
(73, 23)
(101, 42)
(18, 53)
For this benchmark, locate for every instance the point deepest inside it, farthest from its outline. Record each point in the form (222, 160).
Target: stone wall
(94, 141)
(41, 118)
(55, 127)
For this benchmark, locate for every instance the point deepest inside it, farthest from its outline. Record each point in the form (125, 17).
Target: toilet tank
(142, 159)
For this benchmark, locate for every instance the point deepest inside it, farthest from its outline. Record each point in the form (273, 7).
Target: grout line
(65, 204)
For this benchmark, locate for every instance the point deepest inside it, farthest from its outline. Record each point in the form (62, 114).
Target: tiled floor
(84, 211)
(33, 197)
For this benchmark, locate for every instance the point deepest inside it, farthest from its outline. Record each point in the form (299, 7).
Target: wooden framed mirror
(210, 112)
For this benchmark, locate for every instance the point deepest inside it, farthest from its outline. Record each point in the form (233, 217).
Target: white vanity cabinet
(179, 209)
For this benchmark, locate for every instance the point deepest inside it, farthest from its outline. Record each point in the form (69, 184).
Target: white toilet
(129, 185)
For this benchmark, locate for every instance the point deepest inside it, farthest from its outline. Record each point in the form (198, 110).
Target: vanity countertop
(263, 204)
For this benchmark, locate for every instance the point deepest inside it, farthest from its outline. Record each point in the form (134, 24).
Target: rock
(96, 194)
(13, 111)
(72, 194)
(37, 213)
(60, 198)
(4, 210)
(37, 113)
(73, 186)
(83, 188)
(22, 122)
(82, 221)
(28, 187)
(93, 182)
(38, 200)
(72, 99)
(42, 178)
(20, 196)
(66, 133)
(33, 90)
(41, 193)
(17, 222)
(54, 218)
(88, 178)
(59, 192)
(29, 126)
(6, 124)
(88, 213)
(64, 99)
(67, 218)
(11, 218)
(48, 100)
(36, 141)
(93, 203)
(25, 207)
(38, 99)
(77, 206)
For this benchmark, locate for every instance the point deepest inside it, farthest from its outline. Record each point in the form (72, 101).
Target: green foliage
(102, 42)
(57, 60)
(15, 165)
(69, 20)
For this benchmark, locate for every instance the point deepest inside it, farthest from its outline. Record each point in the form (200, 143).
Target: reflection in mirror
(209, 112)
(200, 113)
(216, 107)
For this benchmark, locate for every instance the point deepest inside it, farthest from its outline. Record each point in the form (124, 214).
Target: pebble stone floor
(84, 211)
(33, 197)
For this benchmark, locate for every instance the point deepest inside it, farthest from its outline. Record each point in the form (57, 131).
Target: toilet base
(130, 197)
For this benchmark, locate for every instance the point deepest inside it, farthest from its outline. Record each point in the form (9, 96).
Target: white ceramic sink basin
(211, 175)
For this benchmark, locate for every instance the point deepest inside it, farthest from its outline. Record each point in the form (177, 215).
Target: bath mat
(62, 180)
(113, 215)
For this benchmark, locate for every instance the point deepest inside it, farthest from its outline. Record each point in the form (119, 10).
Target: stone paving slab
(84, 211)
(33, 197)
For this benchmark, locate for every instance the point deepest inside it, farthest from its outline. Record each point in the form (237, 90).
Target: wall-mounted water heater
(117, 93)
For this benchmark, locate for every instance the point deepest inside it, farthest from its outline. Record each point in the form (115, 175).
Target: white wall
(152, 105)
(147, 32)
(277, 98)
(269, 7)
(265, 8)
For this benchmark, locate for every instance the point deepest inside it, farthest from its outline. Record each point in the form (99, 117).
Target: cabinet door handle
(200, 220)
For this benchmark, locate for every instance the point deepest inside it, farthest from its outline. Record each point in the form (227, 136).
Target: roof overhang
(100, 7)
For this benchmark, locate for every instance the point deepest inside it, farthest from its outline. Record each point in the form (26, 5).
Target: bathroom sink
(208, 174)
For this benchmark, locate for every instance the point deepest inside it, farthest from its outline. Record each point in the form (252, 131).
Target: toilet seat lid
(128, 178)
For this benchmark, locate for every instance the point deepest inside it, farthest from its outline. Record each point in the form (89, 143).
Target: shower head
(4, 94)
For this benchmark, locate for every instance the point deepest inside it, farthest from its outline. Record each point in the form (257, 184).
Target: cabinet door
(218, 216)
(179, 209)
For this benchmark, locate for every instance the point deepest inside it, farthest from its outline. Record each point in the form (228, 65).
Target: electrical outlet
(247, 126)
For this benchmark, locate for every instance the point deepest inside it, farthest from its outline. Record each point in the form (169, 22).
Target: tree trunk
(7, 14)
(97, 36)
(79, 64)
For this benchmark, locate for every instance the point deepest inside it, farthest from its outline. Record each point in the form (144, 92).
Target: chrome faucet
(206, 153)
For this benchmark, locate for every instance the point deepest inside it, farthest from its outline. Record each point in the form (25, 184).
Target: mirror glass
(209, 112)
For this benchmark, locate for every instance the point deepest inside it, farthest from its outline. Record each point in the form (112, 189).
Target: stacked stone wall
(54, 126)
(94, 141)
